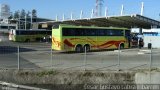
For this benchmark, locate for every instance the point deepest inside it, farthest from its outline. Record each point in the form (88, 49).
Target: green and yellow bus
(21, 35)
(77, 38)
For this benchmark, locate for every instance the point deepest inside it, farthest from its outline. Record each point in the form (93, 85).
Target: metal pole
(106, 11)
(19, 22)
(0, 25)
(122, 9)
(85, 58)
(142, 8)
(56, 17)
(119, 56)
(92, 13)
(150, 64)
(71, 15)
(81, 14)
(25, 22)
(51, 57)
(63, 17)
(31, 20)
(18, 57)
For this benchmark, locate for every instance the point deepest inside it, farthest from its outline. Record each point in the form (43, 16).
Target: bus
(22, 35)
(78, 38)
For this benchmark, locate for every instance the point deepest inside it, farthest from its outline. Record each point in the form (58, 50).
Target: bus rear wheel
(87, 48)
(78, 48)
(122, 46)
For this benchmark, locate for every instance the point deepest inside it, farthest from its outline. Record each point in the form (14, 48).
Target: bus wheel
(87, 47)
(122, 46)
(78, 48)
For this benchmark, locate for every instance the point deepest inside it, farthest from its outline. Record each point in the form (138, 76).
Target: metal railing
(42, 57)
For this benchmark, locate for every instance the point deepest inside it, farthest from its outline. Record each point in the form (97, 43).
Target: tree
(28, 14)
(23, 13)
(11, 16)
(34, 13)
(16, 14)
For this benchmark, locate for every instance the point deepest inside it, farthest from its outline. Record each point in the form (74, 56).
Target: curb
(12, 85)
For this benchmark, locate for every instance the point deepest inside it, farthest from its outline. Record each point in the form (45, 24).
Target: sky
(52, 8)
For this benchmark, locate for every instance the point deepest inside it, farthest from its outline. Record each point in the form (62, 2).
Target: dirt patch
(52, 78)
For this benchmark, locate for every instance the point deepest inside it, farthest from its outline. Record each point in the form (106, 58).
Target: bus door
(134, 40)
(128, 37)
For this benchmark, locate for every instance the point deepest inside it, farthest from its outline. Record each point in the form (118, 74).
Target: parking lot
(40, 56)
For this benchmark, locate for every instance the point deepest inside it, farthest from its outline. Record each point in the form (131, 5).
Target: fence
(41, 56)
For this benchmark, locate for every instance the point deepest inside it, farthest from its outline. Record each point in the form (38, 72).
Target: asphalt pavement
(9, 54)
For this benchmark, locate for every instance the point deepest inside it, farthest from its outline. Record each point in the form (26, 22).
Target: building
(152, 36)
(20, 23)
(4, 11)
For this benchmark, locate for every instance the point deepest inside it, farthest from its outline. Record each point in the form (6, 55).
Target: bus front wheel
(78, 48)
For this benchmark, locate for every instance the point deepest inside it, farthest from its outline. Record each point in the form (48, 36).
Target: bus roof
(73, 26)
(31, 29)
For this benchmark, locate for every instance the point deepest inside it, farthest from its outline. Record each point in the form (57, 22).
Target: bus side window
(101, 32)
(68, 32)
(80, 32)
(91, 32)
(110, 33)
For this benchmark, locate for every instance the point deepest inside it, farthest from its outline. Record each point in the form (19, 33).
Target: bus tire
(122, 46)
(78, 48)
(87, 47)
